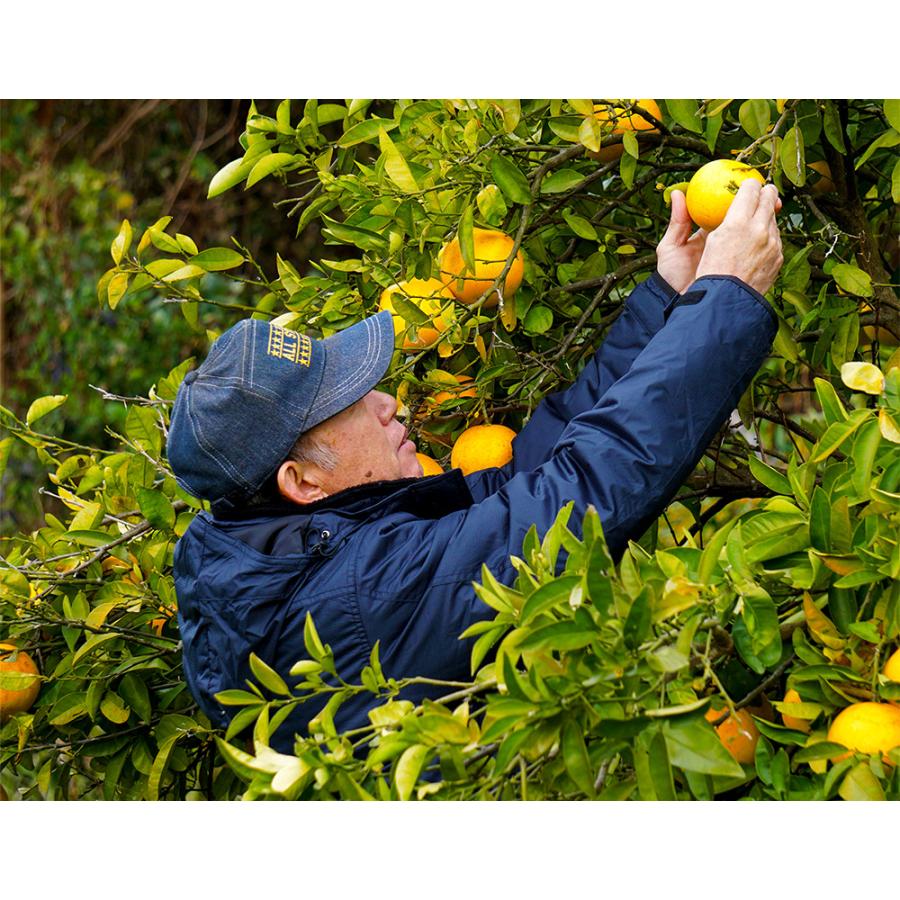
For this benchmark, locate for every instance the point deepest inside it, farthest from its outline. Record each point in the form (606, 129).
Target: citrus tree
(744, 646)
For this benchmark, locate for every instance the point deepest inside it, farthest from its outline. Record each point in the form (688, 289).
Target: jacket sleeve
(643, 315)
(626, 455)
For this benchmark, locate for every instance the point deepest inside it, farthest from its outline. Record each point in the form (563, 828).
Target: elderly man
(317, 501)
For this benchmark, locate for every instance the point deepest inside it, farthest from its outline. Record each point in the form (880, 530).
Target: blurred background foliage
(70, 171)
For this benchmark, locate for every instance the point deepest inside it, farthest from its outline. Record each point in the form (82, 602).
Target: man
(318, 507)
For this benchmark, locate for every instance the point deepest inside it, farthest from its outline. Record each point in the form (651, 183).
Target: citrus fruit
(482, 447)
(712, 189)
(453, 393)
(429, 466)
(621, 121)
(792, 696)
(430, 295)
(492, 248)
(891, 669)
(17, 699)
(738, 733)
(823, 184)
(866, 728)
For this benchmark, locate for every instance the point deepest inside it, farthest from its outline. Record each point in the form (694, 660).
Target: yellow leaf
(888, 427)
(820, 626)
(862, 376)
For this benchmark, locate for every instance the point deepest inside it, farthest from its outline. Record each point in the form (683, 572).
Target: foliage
(602, 672)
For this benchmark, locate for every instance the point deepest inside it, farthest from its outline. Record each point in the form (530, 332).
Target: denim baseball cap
(236, 417)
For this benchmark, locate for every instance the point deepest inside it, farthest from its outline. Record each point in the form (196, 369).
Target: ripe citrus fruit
(482, 447)
(491, 251)
(823, 184)
(891, 669)
(617, 120)
(866, 728)
(738, 733)
(431, 296)
(712, 189)
(792, 696)
(453, 393)
(17, 699)
(429, 466)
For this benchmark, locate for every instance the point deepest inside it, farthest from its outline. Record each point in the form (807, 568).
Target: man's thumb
(680, 223)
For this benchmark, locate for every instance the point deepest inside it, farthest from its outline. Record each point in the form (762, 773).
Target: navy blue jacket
(395, 561)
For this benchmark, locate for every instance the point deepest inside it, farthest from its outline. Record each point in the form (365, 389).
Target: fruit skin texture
(738, 734)
(482, 447)
(891, 669)
(429, 466)
(430, 295)
(792, 696)
(13, 701)
(622, 123)
(712, 189)
(491, 250)
(866, 728)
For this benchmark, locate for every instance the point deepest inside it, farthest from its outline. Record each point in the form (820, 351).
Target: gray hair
(306, 449)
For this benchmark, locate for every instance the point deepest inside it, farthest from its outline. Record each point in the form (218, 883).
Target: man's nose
(387, 406)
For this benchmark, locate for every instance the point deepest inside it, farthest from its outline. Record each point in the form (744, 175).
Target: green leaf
(121, 242)
(217, 259)
(158, 769)
(491, 204)
(895, 182)
(845, 340)
(865, 448)
(627, 169)
(228, 176)
(832, 122)
(511, 180)
(567, 635)
(771, 478)
(116, 288)
(311, 639)
(694, 746)
(575, 756)
(156, 508)
(761, 618)
(755, 117)
(408, 310)
(561, 181)
(187, 244)
(407, 769)
(580, 227)
(637, 624)
(892, 113)
(182, 273)
(852, 279)
(888, 139)
(686, 114)
(630, 142)
(134, 692)
(271, 162)
(113, 707)
(366, 131)
(466, 236)
(268, 677)
(395, 165)
(141, 429)
(538, 319)
(511, 110)
(836, 434)
(831, 404)
(793, 156)
(44, 405)
(547, 596)
(861, 784)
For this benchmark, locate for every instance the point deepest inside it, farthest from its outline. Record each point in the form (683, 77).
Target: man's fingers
(768, 202)
(745, 201)
(680, 223)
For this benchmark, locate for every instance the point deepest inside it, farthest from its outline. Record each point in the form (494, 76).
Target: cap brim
(356, 359)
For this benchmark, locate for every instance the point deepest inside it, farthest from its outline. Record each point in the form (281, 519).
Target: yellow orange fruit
(712, 189)
(158, 624)
(824, 183)
(866, 728)
(891, 669)
(432, 297)
(738, 733)
(429, 466)
(617, 119)
(15, 699)
(792, 696)
(492, 249)
(482, 447)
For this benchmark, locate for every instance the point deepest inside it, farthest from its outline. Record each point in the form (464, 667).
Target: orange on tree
(791, 696)
(431, 296)
(866, 727)
(492, 249)
(823, 184)
(463, 388)
(482, 447)
(891, 669)
(712, 189)
(17, 692)
(616, 119)
(738, 733)
(429, 465)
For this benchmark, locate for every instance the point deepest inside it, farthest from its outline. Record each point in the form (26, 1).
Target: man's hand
(747, 244)
(679, 251)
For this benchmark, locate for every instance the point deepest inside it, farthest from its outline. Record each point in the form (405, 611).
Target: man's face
(370, 444)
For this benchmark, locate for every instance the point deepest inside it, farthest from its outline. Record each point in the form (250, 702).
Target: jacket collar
(428, 498)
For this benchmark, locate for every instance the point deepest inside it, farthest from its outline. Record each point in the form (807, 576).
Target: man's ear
(300, 482)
